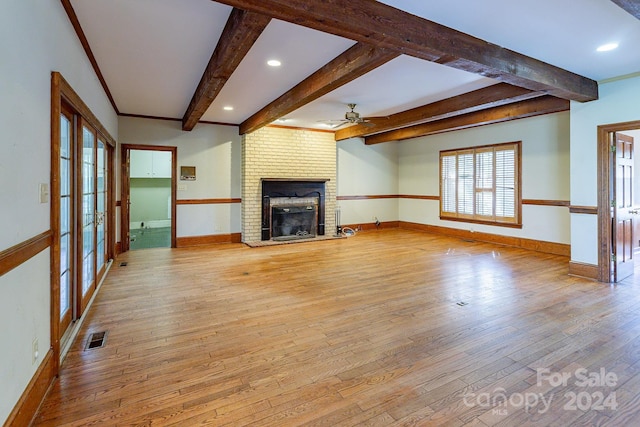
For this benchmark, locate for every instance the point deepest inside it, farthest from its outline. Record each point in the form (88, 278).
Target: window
(481, 184)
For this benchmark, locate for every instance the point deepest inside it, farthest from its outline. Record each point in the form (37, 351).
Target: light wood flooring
(387, 328)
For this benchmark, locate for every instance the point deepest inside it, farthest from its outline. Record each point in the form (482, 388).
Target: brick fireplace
(298, 167)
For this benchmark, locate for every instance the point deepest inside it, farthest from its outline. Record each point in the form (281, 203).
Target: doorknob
(99, 218)
(634, 211)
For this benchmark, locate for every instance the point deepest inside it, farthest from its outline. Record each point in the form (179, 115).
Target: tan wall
(273, 152)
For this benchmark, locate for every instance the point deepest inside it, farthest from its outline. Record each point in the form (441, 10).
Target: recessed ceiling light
(607, 47)
(274, 63)
(227, 108)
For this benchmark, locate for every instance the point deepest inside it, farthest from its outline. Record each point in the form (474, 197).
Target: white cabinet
(161, 164)
(150, 164)
(140, 164)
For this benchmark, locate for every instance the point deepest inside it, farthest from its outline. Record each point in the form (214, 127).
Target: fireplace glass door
(293, 221)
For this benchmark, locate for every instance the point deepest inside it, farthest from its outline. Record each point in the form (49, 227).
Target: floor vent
(124, 264)
(96, 340)
(462, 303)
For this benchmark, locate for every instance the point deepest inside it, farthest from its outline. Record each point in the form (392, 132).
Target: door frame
(606, 175)
(62, 92)
(125, 191)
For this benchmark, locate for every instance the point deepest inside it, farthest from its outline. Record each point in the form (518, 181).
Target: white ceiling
(152, 54)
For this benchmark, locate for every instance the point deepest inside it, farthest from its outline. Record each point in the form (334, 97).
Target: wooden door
(102, 207)
(66, 217)
(83, 204)
(623, 219)
(86, 215)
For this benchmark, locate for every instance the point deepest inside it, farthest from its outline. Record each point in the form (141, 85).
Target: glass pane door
(88, 209)
(66, 221)
(101, 208)
(82, 241)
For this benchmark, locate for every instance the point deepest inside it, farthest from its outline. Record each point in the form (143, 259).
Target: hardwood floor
(387, 328)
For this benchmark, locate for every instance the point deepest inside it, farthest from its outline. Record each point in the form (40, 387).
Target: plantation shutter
(465, 184)
(448, 184)
(506, 184)
(484, 183)
(481, 184)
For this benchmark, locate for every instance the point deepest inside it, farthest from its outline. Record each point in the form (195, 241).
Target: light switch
(44, 193)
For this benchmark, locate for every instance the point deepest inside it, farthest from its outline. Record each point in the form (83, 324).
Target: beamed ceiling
(416, 68)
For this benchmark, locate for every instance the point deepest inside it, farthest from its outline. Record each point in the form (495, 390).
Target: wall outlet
(217, 228)
(34, 351)
(182, 187)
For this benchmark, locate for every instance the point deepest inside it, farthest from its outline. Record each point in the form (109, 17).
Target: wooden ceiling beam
(348, 66)
(240, 33)
(532, 107)
(631, 6)
(488, 97)
(381, 25)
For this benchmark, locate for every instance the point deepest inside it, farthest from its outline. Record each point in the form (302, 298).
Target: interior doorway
(149, 196)
(619, 200)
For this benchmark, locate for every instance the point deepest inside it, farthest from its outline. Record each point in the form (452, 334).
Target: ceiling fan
(350, 117)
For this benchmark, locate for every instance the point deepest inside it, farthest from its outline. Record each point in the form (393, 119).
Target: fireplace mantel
(276, 187)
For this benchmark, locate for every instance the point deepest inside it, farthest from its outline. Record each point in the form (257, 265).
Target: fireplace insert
(274, 189)
(290, 222)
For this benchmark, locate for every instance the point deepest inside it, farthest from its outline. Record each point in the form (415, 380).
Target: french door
(84, 159)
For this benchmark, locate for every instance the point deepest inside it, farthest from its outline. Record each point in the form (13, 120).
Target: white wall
(215, 151)
(545, 174)
(367, 170)
(150, 202)
(36, 38)
(618, 102)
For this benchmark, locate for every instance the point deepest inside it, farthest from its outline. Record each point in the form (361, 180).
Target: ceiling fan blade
(336, 126)
(331, 122)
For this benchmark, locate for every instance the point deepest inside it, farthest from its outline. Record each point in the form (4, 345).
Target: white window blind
(481, 184)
